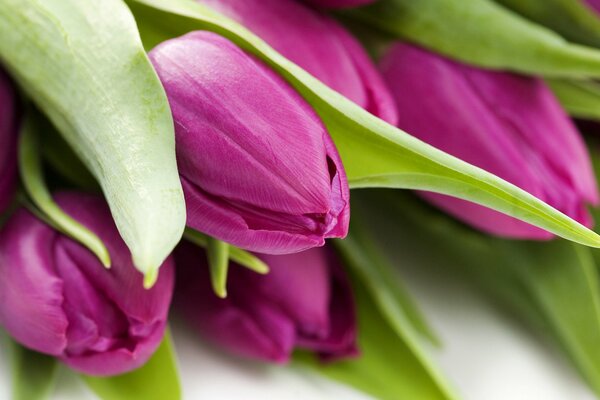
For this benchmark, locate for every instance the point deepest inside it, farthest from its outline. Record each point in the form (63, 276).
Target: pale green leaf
(390, 365)
(32, 176)
(33, 374)
(581, 98)
(483, 33)
(241, 257)
(553, 286)
(157, 380)
(374, 153)
(572, 19)
(83, 64)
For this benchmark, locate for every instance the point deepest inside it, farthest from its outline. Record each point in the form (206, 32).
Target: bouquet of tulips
(227, 164)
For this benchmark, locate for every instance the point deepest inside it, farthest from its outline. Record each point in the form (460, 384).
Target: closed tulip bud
(58, 299)
(9, 122)
(317, 43)
(258, 167)
(339, 3)
(507, 124)
(304, 302)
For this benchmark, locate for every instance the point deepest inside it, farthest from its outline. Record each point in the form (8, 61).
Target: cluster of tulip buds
(260, 171)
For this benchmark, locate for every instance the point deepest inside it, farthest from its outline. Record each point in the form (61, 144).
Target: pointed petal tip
(150, 278)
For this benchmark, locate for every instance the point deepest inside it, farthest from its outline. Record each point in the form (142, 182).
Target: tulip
(58, 299)
(305, 301)
(507, 124)
(316, 43)
(258, 167)
(339, 3)
(8, 141)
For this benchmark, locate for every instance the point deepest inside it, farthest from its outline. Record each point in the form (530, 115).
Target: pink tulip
(594, 4)
(58, 299)
(258, 167)
(507, 124)
(304, 302)
(316, 43)
(9, 125)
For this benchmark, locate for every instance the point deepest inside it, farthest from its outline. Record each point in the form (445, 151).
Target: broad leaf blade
(157, 380)
(553, 286)
(33, 374)
(388, 367)
(83, 64)
(483, 33)
(374, 153)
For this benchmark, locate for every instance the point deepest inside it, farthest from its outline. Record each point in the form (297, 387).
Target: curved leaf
(553, 286)
(30, 167)
(83, 64)
(572, 19)
(483, 33)
(391, 365)
(374, 153)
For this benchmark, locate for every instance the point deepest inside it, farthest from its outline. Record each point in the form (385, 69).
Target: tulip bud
(58, 299)
(258, 167)
(339, 3)
(507, 124)
(8, 141)
(316, 43)
(305, 301)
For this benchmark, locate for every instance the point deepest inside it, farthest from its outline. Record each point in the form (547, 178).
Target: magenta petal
(593, 4)
(30, 291)
(234, 114)
(507, 124)
(243, 323)
(317, 43)
(305, 301)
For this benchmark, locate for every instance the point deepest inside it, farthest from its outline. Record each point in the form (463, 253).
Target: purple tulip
(339, 3)
(9, 125)
(258, 167)
(58, 299)
(507, 124)
(316, 43)
(304, 302)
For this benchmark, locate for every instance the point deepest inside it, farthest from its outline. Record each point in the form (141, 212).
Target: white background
(486, 354)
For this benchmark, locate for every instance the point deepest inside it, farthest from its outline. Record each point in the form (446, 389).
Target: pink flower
(507, 124)
(258, 167)
(304, 302)
(58, 299)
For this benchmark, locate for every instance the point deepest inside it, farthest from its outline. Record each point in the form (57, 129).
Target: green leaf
(581, 98)
(390, 366)
(218, 262)
(157, 380)
(241, 257)
(363, 254)
(83, 64)
(375, 154)
(33, 374)
(483, 33)
(30, 166)
(572, 19)
(553, 286)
